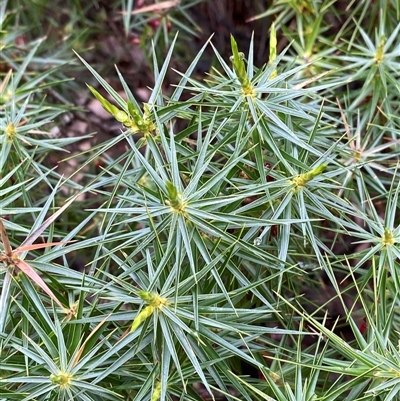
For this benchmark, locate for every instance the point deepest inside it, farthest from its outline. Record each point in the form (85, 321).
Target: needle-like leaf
(33, 236)
(5, 240)
(30, 272)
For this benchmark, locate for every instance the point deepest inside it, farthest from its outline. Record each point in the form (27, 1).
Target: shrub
(244, 242)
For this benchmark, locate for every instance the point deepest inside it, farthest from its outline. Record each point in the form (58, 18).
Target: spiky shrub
(208, 229)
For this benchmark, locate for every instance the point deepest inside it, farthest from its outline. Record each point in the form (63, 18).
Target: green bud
(240, 69)
(141, 317)
(387, 237)
(153, 299)
(157, 392)
(174, 197)
(62, 379)
(302, 179)
(272, 50)
(146, 296)
(121, 116)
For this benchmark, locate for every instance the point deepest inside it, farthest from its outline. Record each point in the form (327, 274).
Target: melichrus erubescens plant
(242, 243)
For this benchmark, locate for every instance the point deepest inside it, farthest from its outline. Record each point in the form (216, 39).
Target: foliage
(249, 226)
